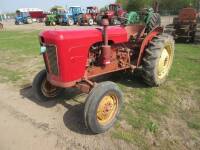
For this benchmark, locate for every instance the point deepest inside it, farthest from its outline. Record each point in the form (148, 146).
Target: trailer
(36, 14)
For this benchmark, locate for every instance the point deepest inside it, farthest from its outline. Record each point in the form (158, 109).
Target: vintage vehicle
(90, 17)
(75, 57)
(147, 16)
(186, 26)
(114, 13)
(23, 17)
(1, 26)
(71, 17)
(29, 15)
(52, 19)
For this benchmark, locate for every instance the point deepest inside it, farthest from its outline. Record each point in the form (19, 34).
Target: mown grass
(166, 116)
(17, 49)
(20, 43)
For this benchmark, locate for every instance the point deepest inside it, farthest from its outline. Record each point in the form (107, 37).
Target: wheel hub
(48, 89)
(107, 109)
(163, 65)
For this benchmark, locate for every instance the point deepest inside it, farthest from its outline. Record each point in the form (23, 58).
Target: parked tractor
(186, 26)
(23, 17)
(75, 57)
(1, 26)
(90, 17)
(71, 17)
(53, 18)
(147, 16)
(114, 14)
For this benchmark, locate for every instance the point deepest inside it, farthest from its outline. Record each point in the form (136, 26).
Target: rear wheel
(1, 26)
(102, 107)
(43, 90)
(158, 60)
(154, 22)
(99, 19)
(115, 21)
(16, 23)
(197, 35)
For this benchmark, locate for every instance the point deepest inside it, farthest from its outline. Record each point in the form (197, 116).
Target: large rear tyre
(43, 90)
(158, 60)
(1, 26)
(154, 22)
(115, 21)
(99, 20)
(102, 107)
(197, 35)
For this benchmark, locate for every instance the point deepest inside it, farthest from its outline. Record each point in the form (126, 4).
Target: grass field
(166, 117)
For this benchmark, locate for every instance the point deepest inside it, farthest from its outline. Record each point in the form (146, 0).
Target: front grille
(52, 58)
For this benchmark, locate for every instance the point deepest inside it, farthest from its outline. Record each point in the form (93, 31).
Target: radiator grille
(52, 58)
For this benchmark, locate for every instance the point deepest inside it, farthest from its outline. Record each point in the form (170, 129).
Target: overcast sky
(12, 5)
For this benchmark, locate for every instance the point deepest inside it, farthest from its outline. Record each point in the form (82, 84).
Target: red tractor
(114, 13)
(90, 17)
(75, 57)
(186, 26)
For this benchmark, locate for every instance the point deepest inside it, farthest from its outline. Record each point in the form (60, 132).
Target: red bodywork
(72, 52)
(91, 12)
(37, 14)
(115, 10)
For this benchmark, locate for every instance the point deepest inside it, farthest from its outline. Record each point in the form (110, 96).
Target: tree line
(165, 6)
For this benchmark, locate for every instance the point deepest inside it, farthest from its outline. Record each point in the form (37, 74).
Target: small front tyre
(43, 90)
(70, 22)
(102, 107)
(90, 22)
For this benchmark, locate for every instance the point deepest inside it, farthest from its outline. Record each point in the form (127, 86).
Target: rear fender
(146, 41)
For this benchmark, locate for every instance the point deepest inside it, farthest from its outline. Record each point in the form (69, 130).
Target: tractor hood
(116, 34)
(67, 50)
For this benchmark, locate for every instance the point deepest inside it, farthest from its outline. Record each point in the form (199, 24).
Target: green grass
(9, 75)
(17, 50)
(168, 115)
(147, 110)
(20, 42)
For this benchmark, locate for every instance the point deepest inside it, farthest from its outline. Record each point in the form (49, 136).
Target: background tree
(170, 6)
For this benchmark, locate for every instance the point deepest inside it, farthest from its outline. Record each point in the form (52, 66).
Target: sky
(13, 5)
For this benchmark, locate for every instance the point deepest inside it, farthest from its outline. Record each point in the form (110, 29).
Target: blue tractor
(23, 18)
(71, 17)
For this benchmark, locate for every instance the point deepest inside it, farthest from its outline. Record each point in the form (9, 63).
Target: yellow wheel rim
(164, 62)
(107, 109)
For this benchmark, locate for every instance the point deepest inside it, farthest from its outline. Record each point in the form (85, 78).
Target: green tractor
(148, 16)
(53, 18)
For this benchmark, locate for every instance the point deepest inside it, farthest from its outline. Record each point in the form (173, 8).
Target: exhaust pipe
(106, 49)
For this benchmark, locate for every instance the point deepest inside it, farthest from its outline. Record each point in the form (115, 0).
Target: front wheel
(158, 59)
(70, 22)
(90, 22)
(53, 23)
(102, 107)
(43, 90)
